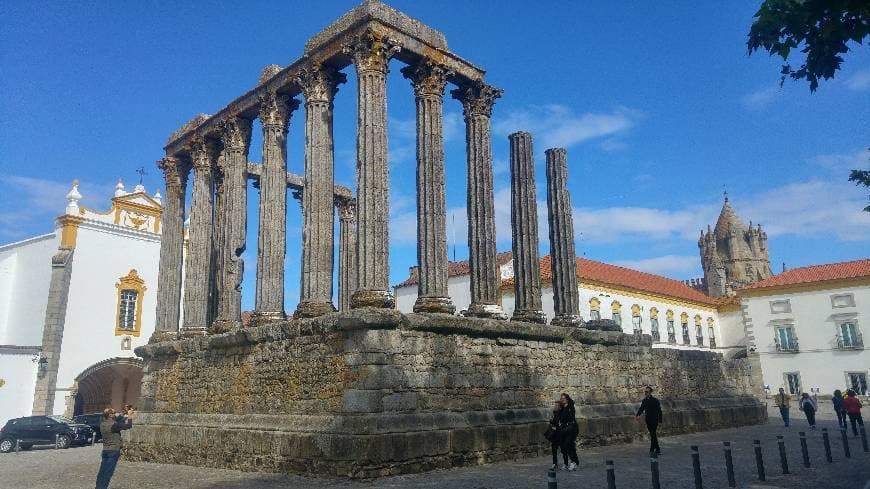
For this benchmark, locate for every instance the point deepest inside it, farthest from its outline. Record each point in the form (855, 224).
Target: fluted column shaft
(275, 111)
(524, 231)
(217, 240)
(429, 80)
(346, 252)
(197, 269)
(236, 134)
(566, 296)
(319, 85)
(371, 53)
(171, 249)
(477, 101)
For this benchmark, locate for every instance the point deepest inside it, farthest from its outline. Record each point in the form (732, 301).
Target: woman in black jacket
(553, 434)
(568, 432)
(839, 409)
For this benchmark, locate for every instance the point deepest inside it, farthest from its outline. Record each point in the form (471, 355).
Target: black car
(43, 430)
(93, 420)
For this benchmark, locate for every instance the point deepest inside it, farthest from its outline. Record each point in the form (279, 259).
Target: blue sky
(657, 102)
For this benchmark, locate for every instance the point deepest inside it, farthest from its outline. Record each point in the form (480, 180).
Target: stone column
(236, 134)
(428, 79)
(275, 111)
(217, 239)
(566, 296)
(171, 250)
(477, 100)
(319, 85)
(197, 269)
(524, 231)
(371, 53)
(346, 252)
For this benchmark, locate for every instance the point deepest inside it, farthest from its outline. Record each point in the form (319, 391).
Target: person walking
(809, 405)
(853, 410)
(782, 401)
(837, 401)
(111, 428)
(568, 432)
(552, 435)
(651, 408)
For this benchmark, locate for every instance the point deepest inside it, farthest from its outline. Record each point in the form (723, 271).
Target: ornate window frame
(133, 282)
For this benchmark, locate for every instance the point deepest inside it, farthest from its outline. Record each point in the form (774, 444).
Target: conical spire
(728, 221)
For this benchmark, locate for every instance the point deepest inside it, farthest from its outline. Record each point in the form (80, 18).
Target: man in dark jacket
(111, 428)
(652, 409)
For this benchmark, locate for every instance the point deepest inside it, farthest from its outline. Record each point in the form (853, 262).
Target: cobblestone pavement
(76, 468)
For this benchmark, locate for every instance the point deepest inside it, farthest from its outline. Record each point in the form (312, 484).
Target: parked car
(93, 420)
(43, 430)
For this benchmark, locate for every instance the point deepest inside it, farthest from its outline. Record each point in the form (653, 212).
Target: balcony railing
(672, 337)
(655, 335)
(686, 339)
(788, 347)
(700, 340)
(712, 342)
(855, 342)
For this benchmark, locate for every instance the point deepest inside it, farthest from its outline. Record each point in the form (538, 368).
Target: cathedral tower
(732, 255)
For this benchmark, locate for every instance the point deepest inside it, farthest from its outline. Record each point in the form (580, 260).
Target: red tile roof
(454, 269)
(596, 271)
(817, 273)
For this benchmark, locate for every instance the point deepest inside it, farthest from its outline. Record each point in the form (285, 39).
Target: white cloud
(761, 98)
(859, 80)
(667, 265)
(559, 126)
(844, 162)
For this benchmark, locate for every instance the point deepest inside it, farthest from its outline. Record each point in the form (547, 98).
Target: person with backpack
(809, 405)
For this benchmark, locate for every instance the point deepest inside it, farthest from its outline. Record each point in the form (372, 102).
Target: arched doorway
(110, 383)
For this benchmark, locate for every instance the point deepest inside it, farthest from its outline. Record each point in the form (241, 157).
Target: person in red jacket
(853, 409)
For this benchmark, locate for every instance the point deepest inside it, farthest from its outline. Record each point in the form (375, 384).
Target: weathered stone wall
(372, 393)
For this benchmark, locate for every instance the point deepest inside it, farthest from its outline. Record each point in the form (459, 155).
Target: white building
(75, 303)
(675, 314)
(805, 327)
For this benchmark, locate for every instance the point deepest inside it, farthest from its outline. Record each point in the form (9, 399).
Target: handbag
(551, 433)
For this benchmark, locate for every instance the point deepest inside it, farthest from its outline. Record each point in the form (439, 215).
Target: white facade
(115, 251)
(815, 355)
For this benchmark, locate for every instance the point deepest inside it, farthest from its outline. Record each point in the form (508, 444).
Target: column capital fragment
(204, 153)
(428, 77)
(320, 83)
(276, 109)
(236, 133)
(346, 209)
(175, 171)
(477, 98)
(372, 50)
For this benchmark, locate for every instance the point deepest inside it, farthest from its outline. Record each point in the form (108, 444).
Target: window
(126, 343)
(848, 337)
(843, 300)
(594, 309)
(684, 326)
(127, 310)
(131, 288)
(635, 324)
(711, 337)
(617, 318)
(654, 329)
(858, 382)
(699, 335)
(785, 339)
(594, 314)
(779, 307)
(616, 314)
(792, 382)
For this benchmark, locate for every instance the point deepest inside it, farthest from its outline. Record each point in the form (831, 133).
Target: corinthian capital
(427, 77)
(175, 172)
(275, 109)
(236, 133)
(204, 153)
(477, 98)
(371, 51)
(320, 83)
(346, 209)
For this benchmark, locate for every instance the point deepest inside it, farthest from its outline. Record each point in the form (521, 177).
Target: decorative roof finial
(119, 189)
(141, 171)
(158, 197)
(73, 198)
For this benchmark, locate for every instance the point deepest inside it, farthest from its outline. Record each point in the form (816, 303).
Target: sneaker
(572, 467)
(554, 467)
(565, 467)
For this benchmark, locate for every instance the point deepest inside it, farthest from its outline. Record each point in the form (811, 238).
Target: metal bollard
(17, 446)
(804, 451)
(759, 460)
(551, 479)
(696, 467)
(611, 476)
(845, 443)
(827, 442)
(863, 438)
(729, 465)
(783, 459)
(654, 471)
(56, 438)
(93, 439)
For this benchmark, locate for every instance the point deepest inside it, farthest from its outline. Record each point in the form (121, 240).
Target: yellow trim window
(594, 309)
(131, 289)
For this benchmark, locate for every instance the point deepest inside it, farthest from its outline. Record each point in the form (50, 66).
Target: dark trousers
(652, 426)
(811, 416)
(554, 447)
(569, 443)
(856, 420)
(841, 417)
(107, 468)
(783, 411)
